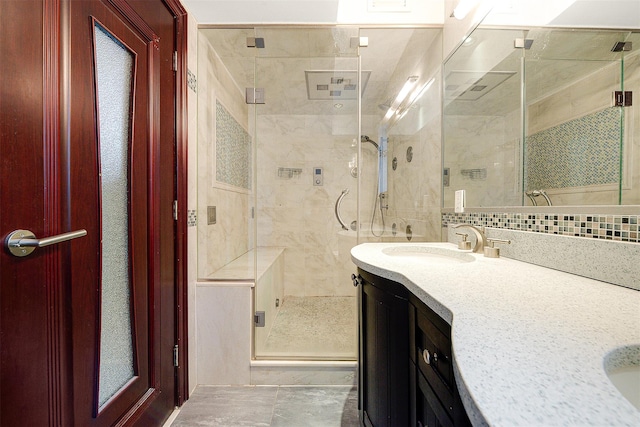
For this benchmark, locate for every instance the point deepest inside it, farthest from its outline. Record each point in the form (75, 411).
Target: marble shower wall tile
(294, 213)
(491, 146)
(414, 187)
(223, 334)
(218, 96)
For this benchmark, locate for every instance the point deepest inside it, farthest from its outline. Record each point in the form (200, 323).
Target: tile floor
(301, 320)
(284, 406)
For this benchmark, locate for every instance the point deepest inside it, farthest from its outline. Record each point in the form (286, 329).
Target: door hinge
(175, 210)
(254, 95)
(259, 319)
(176, 353)
(622, 99)
(175, 60)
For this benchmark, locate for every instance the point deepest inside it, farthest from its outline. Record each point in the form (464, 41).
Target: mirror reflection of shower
(379, 202)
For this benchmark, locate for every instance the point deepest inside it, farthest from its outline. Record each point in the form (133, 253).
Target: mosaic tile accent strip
(192, 218)
(622, 228)
(233, 150)
(584, 151)
(192, 82)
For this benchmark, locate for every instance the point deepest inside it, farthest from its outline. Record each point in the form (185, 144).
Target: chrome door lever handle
(23, 242)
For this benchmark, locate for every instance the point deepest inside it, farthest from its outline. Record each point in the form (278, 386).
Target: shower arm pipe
(337, 209)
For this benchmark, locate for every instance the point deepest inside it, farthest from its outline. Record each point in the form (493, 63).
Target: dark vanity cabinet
(384, 351)
(434, 395)
(406, 368)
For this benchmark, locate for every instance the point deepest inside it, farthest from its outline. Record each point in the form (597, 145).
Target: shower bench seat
(224, 336)
(243, 267)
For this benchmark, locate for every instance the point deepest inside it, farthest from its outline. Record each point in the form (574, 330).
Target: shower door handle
(21, 243)
(337, 209)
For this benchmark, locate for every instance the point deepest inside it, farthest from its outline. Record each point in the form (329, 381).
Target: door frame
(181, 248)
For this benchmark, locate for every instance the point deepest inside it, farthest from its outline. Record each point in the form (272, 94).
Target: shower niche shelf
(288, 173)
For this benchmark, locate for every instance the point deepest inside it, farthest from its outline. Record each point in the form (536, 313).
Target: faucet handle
(464, 244)
(491, 251)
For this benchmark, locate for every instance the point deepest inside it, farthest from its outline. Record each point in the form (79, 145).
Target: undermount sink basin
(432, 254)
(623, 369)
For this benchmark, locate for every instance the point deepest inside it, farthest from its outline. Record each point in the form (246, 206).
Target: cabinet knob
(426, 355)
(356, 279)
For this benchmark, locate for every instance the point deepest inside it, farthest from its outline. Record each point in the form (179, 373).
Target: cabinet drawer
(433, 349)
(440, 387)
(430, 412)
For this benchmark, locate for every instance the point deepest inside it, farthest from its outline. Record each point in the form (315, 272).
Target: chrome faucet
(481, 240)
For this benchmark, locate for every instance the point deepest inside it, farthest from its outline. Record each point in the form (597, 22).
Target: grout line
(273, 407)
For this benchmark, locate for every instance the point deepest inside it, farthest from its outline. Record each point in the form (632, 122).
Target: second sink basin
(431, 254)
(623, 369)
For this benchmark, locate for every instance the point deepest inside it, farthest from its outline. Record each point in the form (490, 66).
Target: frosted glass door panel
(115, 68)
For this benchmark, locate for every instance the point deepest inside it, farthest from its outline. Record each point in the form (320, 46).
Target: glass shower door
(575, 143)
(306, 145)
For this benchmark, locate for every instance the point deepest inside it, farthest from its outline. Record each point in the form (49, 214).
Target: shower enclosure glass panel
(482, 120)
(575, 141)
(306, 141)
(225, 157)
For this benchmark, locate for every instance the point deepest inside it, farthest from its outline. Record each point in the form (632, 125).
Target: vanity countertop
(529, 342)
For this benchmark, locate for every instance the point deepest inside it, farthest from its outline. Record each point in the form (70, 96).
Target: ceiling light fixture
(416, 95)
(402, 96)
(406, 98)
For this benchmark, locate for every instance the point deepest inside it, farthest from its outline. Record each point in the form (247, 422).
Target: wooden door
(72, 353)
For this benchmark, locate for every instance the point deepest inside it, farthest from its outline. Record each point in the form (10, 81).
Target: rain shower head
(471, 85)
(335, 84)
(365, 138)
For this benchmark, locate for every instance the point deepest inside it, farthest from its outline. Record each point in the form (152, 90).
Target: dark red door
(87, 326)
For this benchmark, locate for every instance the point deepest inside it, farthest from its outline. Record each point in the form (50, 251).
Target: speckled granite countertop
(529, 342)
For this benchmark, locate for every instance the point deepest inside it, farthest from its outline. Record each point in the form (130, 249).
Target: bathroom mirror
(529, 118)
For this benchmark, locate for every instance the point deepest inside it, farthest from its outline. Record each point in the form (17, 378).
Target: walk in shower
(284, 114)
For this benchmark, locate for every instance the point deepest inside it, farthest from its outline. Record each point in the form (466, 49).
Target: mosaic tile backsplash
(233, 150)
(622, 228)
(580, 152)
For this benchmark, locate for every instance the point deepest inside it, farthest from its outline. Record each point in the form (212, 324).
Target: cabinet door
(430, 412)
(383, 354)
